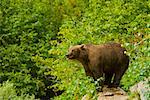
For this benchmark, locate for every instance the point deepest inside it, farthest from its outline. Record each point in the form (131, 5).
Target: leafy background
(36, 34)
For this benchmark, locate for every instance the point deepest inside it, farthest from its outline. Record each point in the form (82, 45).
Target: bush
(23, 37)
(8, 91)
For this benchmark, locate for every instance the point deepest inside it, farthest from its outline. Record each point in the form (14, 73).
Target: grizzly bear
(106, 60)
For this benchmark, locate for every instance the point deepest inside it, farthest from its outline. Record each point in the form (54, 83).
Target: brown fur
(102, 60)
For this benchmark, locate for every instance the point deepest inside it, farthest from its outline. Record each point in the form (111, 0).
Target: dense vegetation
(36, 34)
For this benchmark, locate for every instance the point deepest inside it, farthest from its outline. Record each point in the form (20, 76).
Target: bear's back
(108, 54)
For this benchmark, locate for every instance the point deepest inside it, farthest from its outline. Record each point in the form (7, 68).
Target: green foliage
(8, 92)
(133, 96)
(25, 33)
(126, 22)
(36, 34)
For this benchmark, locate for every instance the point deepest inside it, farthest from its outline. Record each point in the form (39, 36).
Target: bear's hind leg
(108, 78)
(118, 76)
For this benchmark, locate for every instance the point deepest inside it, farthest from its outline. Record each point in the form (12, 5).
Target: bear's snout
(67, 55)
(70, 56)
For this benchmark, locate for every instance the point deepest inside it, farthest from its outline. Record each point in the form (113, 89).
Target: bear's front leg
(99, 84)
(87, 70)
(99, 79)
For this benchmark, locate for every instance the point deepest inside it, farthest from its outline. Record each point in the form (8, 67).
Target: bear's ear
(83, 47)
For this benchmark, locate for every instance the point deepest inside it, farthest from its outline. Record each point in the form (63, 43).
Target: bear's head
(76, 52)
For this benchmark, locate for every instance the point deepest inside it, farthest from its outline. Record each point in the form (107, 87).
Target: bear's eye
(72, 50)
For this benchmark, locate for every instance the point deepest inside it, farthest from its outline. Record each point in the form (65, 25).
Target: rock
(112, 94)
(141, 88)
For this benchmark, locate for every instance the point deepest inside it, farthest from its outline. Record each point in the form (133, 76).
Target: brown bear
(108, 60)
